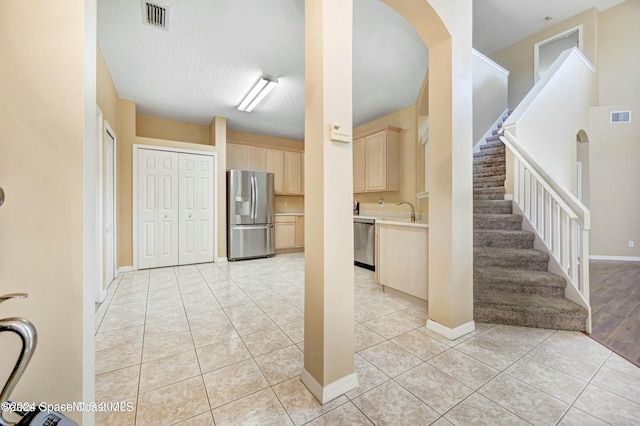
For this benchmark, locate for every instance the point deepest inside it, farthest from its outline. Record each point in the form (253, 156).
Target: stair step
(482, 155)
(497, 221)
(508, 258)
(488, 160)
(493, 138)
(492, 143)
(511, 281)
(499, 149)
(489, 193)
(492, 207)
(490, 172)
(503, 238)
(554, 313)
(495, 168)
(488, 182)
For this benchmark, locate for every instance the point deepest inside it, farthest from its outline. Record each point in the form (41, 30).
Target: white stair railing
(561, 221)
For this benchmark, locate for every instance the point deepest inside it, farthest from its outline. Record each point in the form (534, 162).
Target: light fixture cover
(257, 93)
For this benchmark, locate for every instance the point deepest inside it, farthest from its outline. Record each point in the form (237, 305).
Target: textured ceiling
(214, 51)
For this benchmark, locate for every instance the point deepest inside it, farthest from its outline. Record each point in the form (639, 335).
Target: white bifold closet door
(175, 208)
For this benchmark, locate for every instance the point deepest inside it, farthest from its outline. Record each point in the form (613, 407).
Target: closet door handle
(1, 196)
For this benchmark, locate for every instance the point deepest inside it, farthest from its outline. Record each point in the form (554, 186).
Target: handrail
(567, 200)
(561, 221)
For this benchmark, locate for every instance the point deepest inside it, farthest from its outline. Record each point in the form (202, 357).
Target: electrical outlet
(632, 244)
(381, 202)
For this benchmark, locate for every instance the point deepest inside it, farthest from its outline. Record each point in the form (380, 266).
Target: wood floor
(615, 305)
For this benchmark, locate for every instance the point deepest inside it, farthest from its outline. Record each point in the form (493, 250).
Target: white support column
(329, 289)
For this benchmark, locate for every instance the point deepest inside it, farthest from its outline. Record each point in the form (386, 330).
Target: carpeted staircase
(511, 284)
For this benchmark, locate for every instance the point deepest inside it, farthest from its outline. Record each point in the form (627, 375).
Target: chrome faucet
(413, 211)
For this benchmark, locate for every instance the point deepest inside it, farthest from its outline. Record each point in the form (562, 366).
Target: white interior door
(196, 209)
(157, 208)
(109, 209)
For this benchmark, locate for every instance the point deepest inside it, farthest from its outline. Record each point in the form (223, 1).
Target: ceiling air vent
(155, 15)
(620, 116)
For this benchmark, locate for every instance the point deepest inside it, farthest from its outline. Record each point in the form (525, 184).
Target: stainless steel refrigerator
(250, 213)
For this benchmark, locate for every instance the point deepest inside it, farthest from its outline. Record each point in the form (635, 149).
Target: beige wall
(236, 136)
(615, 148)
(518, 58)
(158, 128)
(615, 183)
(41, 171)
(106, 93)
(619, 54)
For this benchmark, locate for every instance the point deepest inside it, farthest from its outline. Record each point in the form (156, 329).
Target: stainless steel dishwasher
(364, 242)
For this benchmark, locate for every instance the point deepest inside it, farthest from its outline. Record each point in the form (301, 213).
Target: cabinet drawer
(285, 219)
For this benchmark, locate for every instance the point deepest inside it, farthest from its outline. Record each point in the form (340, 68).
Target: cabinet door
(275, 165)
(256, 159)
(236, 157)
(299, 231)
(358, 165)
(285, 235)
(293, 174)
(376, 162)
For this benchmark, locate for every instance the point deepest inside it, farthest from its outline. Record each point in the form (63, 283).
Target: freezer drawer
(249, 241)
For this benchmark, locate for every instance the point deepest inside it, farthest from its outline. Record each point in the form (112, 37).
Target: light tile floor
(223, 343)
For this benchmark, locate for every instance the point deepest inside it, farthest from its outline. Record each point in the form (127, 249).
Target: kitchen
(404, 154)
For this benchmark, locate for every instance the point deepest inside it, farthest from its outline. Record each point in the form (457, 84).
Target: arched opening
(582, 167)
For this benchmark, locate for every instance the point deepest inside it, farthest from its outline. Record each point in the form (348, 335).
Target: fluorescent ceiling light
(257, 94)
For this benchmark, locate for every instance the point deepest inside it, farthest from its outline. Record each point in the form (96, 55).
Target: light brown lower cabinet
(401, 259)
(289, 230)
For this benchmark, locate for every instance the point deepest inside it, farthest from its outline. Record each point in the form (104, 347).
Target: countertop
(401, 222)
(396, 220)
(289, 213)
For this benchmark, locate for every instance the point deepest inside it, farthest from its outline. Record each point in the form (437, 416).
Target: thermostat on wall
(339, 133)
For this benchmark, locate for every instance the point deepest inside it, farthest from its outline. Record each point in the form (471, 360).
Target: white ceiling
(214, 51)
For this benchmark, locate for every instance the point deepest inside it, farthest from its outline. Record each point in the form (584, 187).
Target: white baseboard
(451, 333)
(123, 269)
(508, 197)
(221, 259)
(620, 258)
(330, 391)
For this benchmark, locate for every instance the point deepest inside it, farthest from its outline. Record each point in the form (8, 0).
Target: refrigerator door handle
(255, 191)
(253, 197)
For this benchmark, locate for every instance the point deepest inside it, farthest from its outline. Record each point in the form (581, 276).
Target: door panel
(175, 208)
(157, 211)
(196, 212)
(240, 197)
(263, 198)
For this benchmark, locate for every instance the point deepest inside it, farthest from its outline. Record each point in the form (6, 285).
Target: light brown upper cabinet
(376, 161)
(294, 173)
(286, 166)
(244, 157)
(358, 165)
(275, 165)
